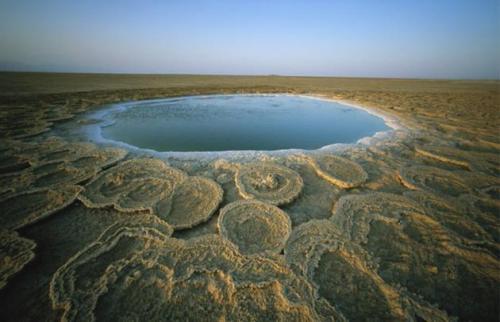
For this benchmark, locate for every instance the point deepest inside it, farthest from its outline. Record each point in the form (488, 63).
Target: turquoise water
(239, 122)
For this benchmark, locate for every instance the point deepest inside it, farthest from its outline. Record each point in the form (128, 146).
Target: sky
(457, 39)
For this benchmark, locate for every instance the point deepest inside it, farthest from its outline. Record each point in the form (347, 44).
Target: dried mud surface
(401, 227)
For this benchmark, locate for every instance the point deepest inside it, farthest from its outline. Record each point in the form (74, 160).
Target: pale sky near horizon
(370, 38)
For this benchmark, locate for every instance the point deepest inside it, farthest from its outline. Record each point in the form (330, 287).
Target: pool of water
(238, 122)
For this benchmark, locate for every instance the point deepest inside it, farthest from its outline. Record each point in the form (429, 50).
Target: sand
(402, 226)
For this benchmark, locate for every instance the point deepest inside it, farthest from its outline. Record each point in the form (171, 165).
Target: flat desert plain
(403, 227)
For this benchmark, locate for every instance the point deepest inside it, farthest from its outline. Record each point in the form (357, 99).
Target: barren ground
(403, 228)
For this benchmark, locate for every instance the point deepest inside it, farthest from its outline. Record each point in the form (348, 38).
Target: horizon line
(243, 75)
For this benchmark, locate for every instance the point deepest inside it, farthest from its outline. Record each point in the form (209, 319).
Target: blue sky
(371, 38)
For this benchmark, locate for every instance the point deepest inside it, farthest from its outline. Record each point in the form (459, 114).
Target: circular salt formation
(300, 253)
(68, 152)
(444, 154)
(63, 163)
(100, 158)
(255, 227)
(145, 168)
(28, 207)
(193, 201)
(11, 183)
(433, 179)
(271, 183)
(143, 194)
(133, 185)
(339, 171)
(21, 130)
(410, 246)
(9, 163)
(344, 275)
(34, 151)
(15, 253)
(449, 215)
(472, 160)
(353, 213)
(78, 155)
(484, 211)
(64, 174)
(144, 275)
(47, 168)
(353, 290)
(477, 180)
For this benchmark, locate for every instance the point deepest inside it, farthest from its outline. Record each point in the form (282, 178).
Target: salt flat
(399, 227)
